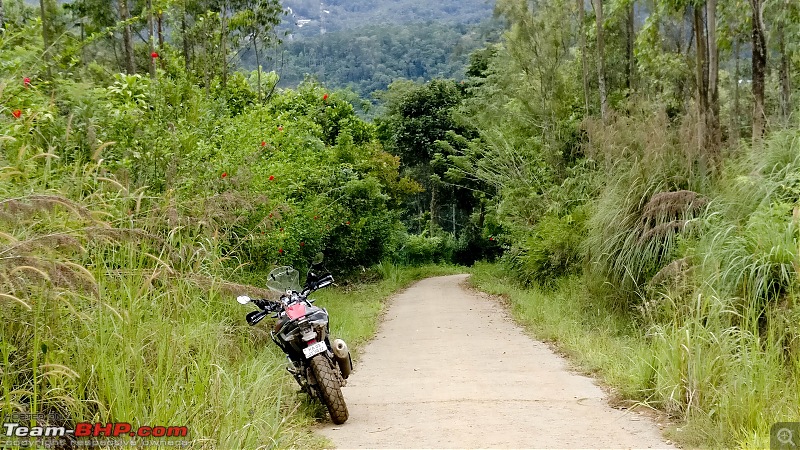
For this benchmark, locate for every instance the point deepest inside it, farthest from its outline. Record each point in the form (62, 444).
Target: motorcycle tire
(329, 388)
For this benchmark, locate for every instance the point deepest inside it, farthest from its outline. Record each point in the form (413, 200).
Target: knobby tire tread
(329, 387)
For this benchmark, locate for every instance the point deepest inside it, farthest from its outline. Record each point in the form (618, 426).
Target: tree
(256, 20)
(601, 59)
(127, 37)
(759, 68)
(420, 128)
(784, 70)
(584, 67)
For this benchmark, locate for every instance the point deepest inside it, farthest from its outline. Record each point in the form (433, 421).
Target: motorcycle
(319, 366)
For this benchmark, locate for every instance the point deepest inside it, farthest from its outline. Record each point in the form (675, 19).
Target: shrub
(552, 250)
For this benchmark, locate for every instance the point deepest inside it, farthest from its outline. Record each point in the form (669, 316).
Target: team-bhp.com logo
(85, 429)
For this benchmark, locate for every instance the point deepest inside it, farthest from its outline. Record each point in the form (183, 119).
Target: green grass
(722, 384)
(109, 316)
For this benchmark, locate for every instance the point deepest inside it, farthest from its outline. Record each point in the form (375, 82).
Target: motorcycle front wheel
(329, 388)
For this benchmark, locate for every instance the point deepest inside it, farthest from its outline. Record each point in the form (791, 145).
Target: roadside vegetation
(631, 166)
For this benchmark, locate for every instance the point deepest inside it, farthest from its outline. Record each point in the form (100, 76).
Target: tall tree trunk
(46, 37)
(433, 209)
(258, 65)
(784, 76)
(735, 122)
(630, 37)
(151, 25)
(759, 69)
(185, 37)
(582, 30)
(601, 59)
(127, 38)
(714, 137)
(223, 43)
(160, 36)
(701, 75)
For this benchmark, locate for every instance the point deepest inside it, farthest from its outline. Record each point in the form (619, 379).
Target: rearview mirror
(318, 258)
(243, 299)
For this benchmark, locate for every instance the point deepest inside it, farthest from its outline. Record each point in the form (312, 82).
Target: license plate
(314, 349)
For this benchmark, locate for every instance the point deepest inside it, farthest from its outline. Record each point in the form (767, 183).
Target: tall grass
(688, 300)
(111, 315)
(119, 308)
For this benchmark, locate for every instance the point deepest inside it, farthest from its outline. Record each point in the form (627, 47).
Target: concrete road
(449, 369)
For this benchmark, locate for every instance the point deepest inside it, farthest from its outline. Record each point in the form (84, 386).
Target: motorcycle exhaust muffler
(342, 355)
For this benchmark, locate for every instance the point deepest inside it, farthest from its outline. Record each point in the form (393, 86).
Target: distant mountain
(367, 44)
(309, 17)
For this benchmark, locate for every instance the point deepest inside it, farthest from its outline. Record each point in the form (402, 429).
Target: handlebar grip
(254, 317)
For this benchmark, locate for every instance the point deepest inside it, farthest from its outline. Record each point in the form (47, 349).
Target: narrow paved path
(449, 369)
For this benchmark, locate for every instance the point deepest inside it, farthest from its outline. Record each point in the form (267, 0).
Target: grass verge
(723, 386)
(597, 340)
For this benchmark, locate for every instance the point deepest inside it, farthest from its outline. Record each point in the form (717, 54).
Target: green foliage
(554, 249)
(423, 249)
(340, 15)
(371, 57)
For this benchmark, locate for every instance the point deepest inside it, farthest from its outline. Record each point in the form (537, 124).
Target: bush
(552, 250)
(419, 249)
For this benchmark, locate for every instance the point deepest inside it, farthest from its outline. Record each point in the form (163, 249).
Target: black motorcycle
(320, 367)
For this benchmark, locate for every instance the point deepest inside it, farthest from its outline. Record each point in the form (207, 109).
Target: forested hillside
(633, 164)
(369, 58)
(364, 46)
(310, 17)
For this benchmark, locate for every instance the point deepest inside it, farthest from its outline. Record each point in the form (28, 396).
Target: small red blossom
(16, 113)
(491, 238)
(316, 217)
(270, 215)
(26, 81)
(347, 223)
(263, 143)
(271, 177)
(302, 244)
(154, 55)
(224, 174)
(280, 250)
(280, 127)
(281, 230)
(325, 97)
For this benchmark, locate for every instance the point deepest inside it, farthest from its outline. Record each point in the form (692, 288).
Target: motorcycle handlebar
(267, 305)
(254, 317)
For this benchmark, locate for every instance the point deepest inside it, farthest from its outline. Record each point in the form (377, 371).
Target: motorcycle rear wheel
(329, 388)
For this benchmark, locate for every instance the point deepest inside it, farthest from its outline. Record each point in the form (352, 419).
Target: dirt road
(449, 369)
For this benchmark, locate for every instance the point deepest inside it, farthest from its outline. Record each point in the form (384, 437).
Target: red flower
(316, 217)
(281, 230)
(491, 238)
(280, 250)
(16, 113)
(26, 81)
(302, 244)
(271, 177)
(347, 223)
(263, 143)
(280, 127)
(224, 174)
(154, 55)
(270, 215)
(325, 97)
